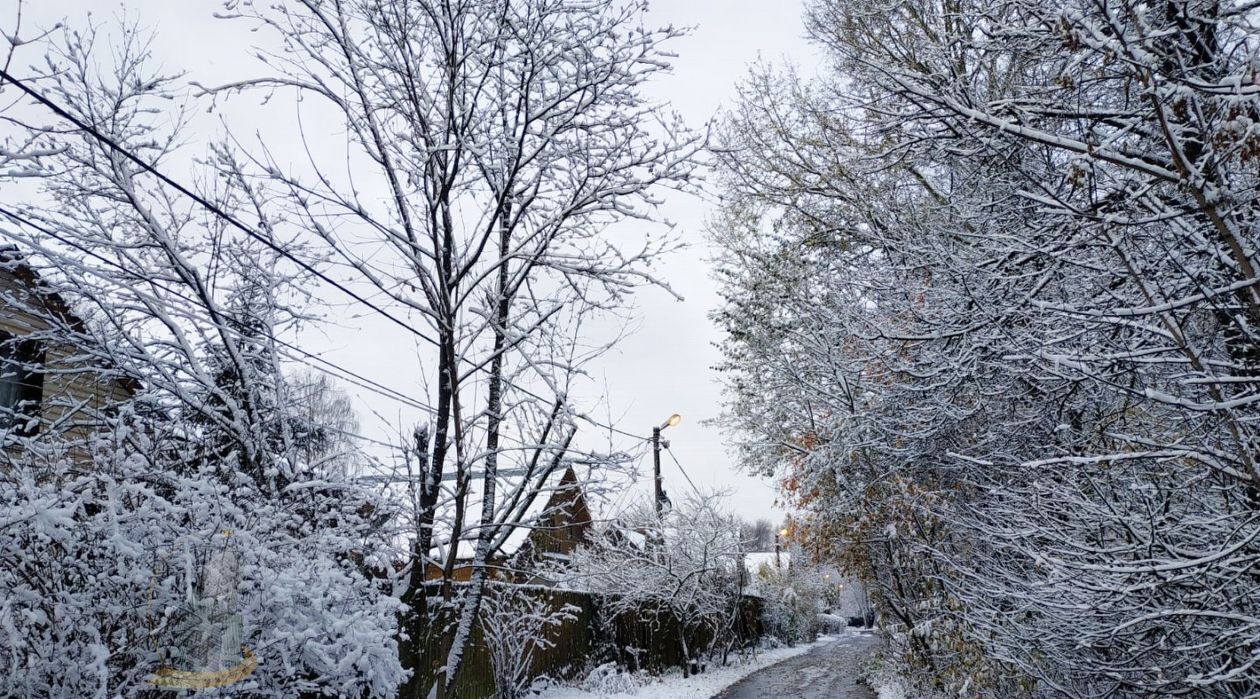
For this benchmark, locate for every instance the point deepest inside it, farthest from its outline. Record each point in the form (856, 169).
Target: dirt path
(830, 671)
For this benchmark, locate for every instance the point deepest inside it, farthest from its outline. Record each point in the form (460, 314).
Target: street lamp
(656, 458)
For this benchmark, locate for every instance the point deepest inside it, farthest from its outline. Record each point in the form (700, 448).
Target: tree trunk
(494, 423)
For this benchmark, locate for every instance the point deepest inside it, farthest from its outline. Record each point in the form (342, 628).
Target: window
(21, 384)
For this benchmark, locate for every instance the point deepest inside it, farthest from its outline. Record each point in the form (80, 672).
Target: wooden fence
(588, 638)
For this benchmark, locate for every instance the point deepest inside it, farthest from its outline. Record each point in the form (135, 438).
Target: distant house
(558, 527)
(48, 385)
(564, 525)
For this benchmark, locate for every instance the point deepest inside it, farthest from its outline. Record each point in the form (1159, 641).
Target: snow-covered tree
(991, 304)
(493, 143)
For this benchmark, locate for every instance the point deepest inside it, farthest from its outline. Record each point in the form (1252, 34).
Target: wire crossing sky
(663, 364)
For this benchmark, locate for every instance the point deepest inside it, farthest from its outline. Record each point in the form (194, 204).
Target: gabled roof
(553, 526)
(15, 262)
(564, 522)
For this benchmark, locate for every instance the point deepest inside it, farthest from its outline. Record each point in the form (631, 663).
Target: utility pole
(656, 468)
(658, 488)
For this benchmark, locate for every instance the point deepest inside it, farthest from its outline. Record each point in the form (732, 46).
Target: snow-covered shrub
(609, 678)
(75, 557)
(320, 623)
(890, 677)
(791, 601)
(92, 570)
(679, 568)
(516, 624)
(831, 623)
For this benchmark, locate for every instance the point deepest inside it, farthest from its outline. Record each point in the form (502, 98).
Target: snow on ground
(891, 689)
(673, 685)
(885, 682)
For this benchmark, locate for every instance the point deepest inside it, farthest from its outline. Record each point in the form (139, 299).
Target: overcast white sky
(665, 366)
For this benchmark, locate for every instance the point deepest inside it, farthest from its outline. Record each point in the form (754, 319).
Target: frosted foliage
(792, 598)
(991, 300)
(81, 590)
(681, 566)
(170, 323)
(72, 587)
(321, 620)
(608, 678)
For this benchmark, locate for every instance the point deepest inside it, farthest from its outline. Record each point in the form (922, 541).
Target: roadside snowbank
(674, 686)
(883, 678)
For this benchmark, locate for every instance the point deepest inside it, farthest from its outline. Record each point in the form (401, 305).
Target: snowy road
(827, 672)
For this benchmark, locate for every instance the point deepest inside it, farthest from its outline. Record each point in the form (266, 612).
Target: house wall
(75, 388)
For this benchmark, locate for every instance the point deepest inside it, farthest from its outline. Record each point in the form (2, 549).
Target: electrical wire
(335, 370)
(684, 472)
(232, 220)
(344, 373)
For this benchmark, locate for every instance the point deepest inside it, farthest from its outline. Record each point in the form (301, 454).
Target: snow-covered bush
(76, 551)
(319, 623)
(680, 567)
(91, 572)
(884, 676)
(609, 678)
(791, 600)
(516, 624)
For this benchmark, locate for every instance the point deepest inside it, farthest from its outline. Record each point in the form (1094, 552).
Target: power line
(334, 370)
(57, 109)
(342, 372)
(206, 204)
(683, 471)
(359, 380)
(397, 396)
